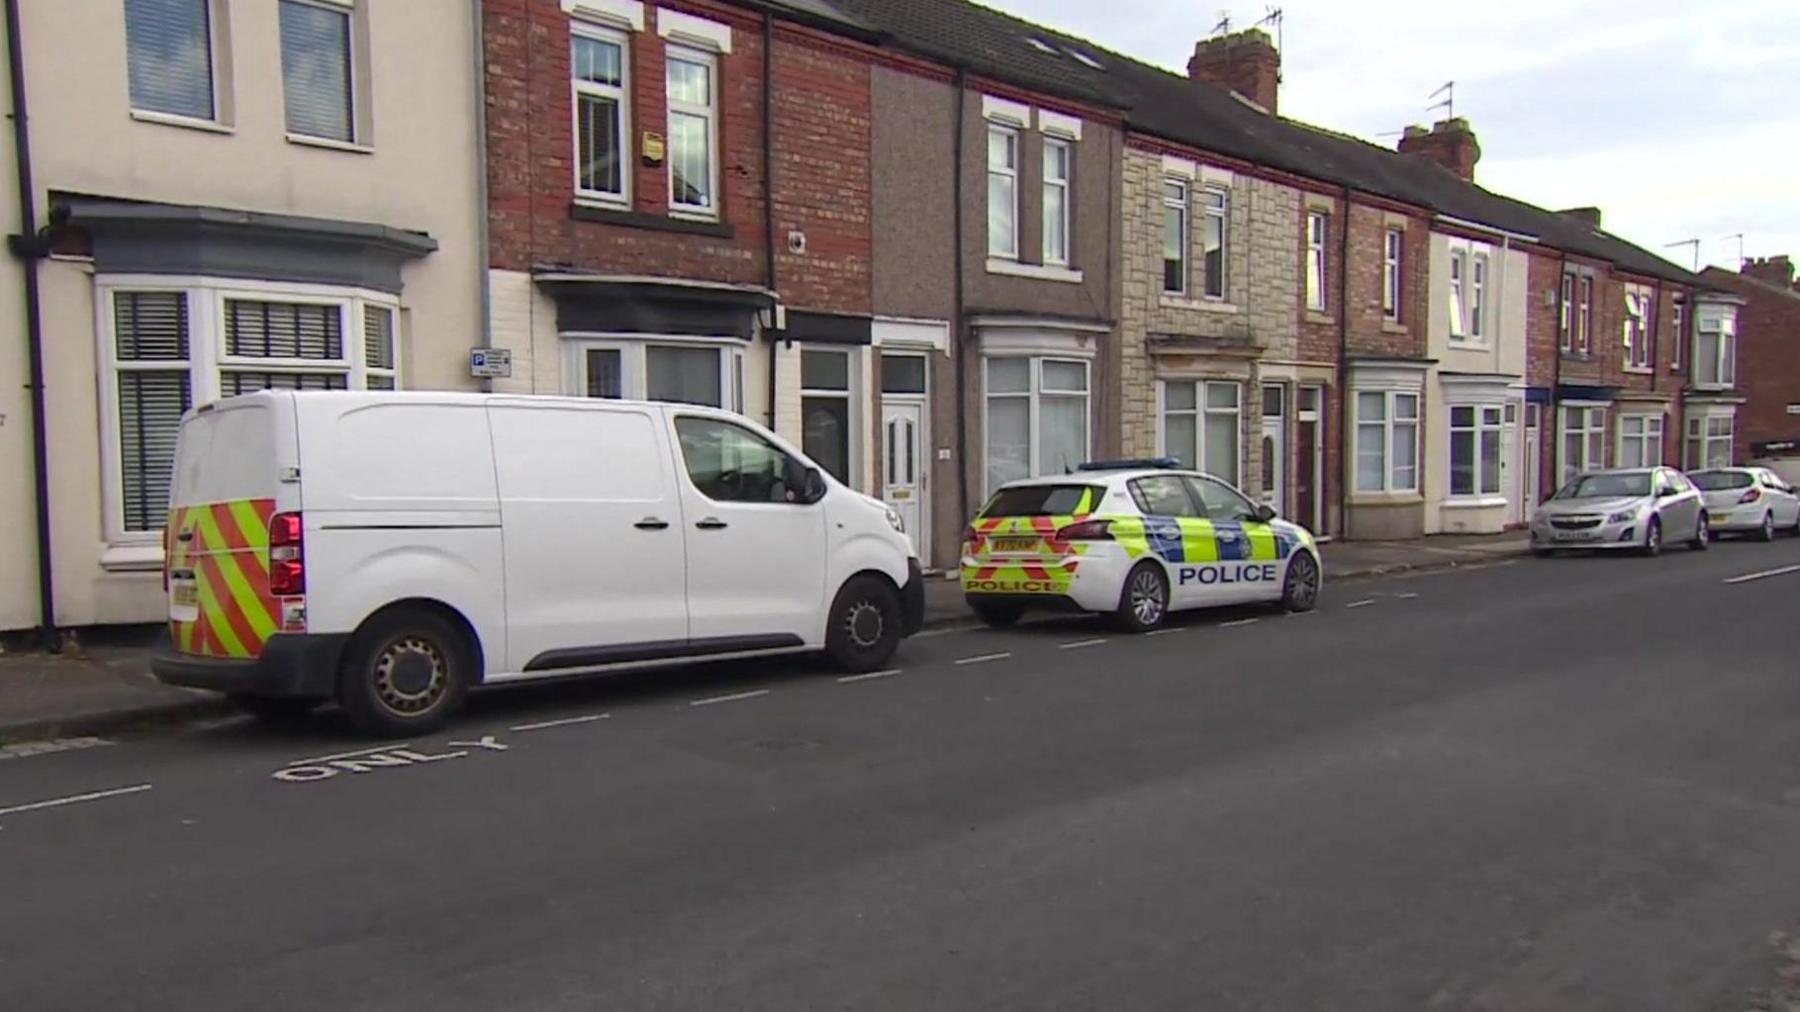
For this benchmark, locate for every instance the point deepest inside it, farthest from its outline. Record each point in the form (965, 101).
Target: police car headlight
(1623, 516)
(895, 521)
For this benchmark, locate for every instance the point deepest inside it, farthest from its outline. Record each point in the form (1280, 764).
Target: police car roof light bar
(1130, 464)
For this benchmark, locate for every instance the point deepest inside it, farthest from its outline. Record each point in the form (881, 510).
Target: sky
(1679, 119)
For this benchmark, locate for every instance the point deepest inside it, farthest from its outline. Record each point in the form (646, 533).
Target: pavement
(106, 688)
(1533, 784)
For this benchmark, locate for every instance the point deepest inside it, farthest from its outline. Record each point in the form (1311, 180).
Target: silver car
(1748, 500)
(1637, 509)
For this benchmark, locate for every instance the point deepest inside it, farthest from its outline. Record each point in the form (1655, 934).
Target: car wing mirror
(812, 486)
(1263, 513)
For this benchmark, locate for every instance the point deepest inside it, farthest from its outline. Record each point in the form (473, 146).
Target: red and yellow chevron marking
(228, 553)
(1015, 578)
(1043, 527)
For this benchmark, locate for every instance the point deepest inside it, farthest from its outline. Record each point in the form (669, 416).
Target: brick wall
(1370, 332)
(822, 159)
(1318, 333)
(1768, 368)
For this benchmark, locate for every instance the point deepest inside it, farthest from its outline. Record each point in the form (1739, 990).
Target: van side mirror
(812, 486)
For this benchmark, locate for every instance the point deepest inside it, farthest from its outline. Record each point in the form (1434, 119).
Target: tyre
(1543, 553)
(276, 709)
(1653, 538)
(997, 616)
(864, 628)
(1300, 591)
(1767, 531)
(1702, 535)
(405, 672)
(1144, 600)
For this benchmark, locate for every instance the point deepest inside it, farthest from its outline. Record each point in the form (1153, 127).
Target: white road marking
(545, 725)
(1166, 632)
(734, 697)
(1407, 597)
(1078, 644)
(1764, 575)
(1241, 621)
(31, 748)
(984, 658)
(75, 799)
(943, 631)
(349, 755)
(871, 676)
(1364, 603)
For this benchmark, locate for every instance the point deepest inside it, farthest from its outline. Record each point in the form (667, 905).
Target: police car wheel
(1144, 602)
(1000, 616)
(1301, 591)
(865, 625)
(404, 673)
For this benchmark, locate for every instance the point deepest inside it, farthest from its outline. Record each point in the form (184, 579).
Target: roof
(1746, 283)
(1171, 106)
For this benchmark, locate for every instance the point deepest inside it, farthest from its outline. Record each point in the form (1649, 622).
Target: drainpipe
(1345, 460)
(961, 350)
(768, 167)
(484, 285)
(1556, 376)
(30, 248)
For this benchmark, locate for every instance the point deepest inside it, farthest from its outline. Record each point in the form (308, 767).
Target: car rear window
(1718, 481)
(1602, 486)
(1042, 501)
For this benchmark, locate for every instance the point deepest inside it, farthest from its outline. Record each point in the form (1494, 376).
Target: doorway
(1274, 445)
(1533, 462)
(1309, 451)
(905, 472)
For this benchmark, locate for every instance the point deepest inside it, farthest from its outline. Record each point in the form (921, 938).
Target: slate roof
(1171, 106)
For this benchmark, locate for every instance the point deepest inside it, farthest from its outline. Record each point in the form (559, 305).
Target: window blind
(168, 50)
(315, 70)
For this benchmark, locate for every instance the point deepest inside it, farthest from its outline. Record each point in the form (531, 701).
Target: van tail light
(1086, 530)
(1750, 496)
(287, 556)
(167, 560)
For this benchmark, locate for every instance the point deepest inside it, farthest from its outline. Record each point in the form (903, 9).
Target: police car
(1133, 538)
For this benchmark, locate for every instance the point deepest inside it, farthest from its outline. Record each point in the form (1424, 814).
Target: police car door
(1179, 537)
(1250, 559)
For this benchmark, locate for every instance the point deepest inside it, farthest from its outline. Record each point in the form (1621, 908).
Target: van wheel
(865, 625)
(405, 672)
(997, 616)
(276, 709)
(1144, 601)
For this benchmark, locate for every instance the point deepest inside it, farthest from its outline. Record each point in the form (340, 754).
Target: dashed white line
(31, 748)
(1079, 644)
(545, 725)
(1241, 621)
(871, 676)
(734, 697)
(1364, 603)
(1168, 631)
(316, 760)
(984, 658)
(75, 799)
(1764, 575)
(1407, 597)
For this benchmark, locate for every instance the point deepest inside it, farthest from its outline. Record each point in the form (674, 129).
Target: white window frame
(1565, 325)
(353, 58)
(1478, 284)
(1584, 315)
(634, 363)
(1717, 371)
(1679, 337)
(1637, 329)
(1318, 230)
(207, 361)
(620, 94)
(1649, 433)
(218, 75)
(1059, 257)
(1034, 395)
(1221, 213)
(1203, 413)
(851, 395)
(1485, 419)
(1697, 447)
(1459, 306)
(1009, 173)
(709, 113)
(1593, 422)
(1389, 422)
(1393, 252)
(1187, 256)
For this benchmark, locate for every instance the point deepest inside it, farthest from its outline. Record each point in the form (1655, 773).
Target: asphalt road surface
(1564, 784)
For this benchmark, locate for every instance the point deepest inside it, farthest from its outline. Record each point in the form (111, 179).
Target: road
(1563, 784)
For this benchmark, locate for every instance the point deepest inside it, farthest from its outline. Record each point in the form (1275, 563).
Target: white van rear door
(596, 568)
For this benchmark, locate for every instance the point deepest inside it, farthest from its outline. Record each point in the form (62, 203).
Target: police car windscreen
(1718, 481)
(1039, 500)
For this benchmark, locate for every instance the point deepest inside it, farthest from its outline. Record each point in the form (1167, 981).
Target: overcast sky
(1680, 119)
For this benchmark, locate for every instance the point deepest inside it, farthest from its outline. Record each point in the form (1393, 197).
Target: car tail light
(1750, 496)
(166, 559)
(1086, 530)
(287, 555)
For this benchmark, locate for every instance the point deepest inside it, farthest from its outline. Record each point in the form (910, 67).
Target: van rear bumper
(294, 666)
(912, 598)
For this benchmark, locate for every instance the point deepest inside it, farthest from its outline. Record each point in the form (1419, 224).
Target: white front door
(903, 466)
(1533, 459)
(1509, 469)
(1274, 447)
(755, 555)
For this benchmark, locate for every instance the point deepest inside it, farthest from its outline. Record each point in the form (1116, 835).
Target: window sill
(581, 211)
(1315, 316)
(1577, 356)
(1169, 301)
(1040, 272)
(1391, 326)
(694, 214)
(185, 122)
(1638, 370)
(128, 558)
(329, 144)
(1386, 499)
(1473, 502)
(1469, 344)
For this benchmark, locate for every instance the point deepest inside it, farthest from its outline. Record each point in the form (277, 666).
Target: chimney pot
(1776, 270)
(1450, 143)
(1245, 62)
(1589, 216)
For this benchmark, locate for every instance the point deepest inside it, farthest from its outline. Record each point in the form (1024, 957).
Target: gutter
(484, 283)
(1346, 461)
(30, 248)
(768, 168)
(961, 350)
(1556, 419)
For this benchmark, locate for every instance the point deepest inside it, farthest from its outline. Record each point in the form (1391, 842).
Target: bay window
(1640, 441)
(1708, 441)
(1583, 440)
(1475, 450)
(1003, 191)
(679, 371)
(693, 114)
(1175, 233)
(1715, 353)
(1201, 426)
(1037, 417)
(1387, 441)
(597, 70)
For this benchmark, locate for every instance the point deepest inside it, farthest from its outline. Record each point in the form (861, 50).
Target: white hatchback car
(1136, 539)
(1748, 500)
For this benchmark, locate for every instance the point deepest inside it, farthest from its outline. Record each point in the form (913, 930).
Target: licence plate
(1015, 544)
(1577, 535)
(1717, 521)
(184, 599)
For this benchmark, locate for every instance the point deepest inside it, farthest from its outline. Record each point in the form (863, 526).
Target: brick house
(1768, 333)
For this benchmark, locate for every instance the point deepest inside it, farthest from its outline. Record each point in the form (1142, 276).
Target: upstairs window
(317, 81)
(1584, 316)
(597, 69)
(1637, 329)
(169, 57)
(1478, 282)
(1058, 166)
(1003, 192)
(1392, 246)
(1317, 227)
(1459, 269)
(1715, 354)
(693, 128)
(1566, 305)
(1216, 203)
(1175, 229)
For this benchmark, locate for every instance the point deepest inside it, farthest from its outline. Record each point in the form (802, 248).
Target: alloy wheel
(1303, 583)
(1147, 603)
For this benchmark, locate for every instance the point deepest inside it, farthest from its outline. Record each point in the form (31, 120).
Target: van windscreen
(1043, 501)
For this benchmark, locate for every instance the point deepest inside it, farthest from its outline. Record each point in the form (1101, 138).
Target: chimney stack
(1245, 62)
(1449, 143)
(1589, 216)
(1777, 271)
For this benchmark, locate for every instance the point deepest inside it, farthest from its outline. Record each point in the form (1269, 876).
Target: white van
(392, 550)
